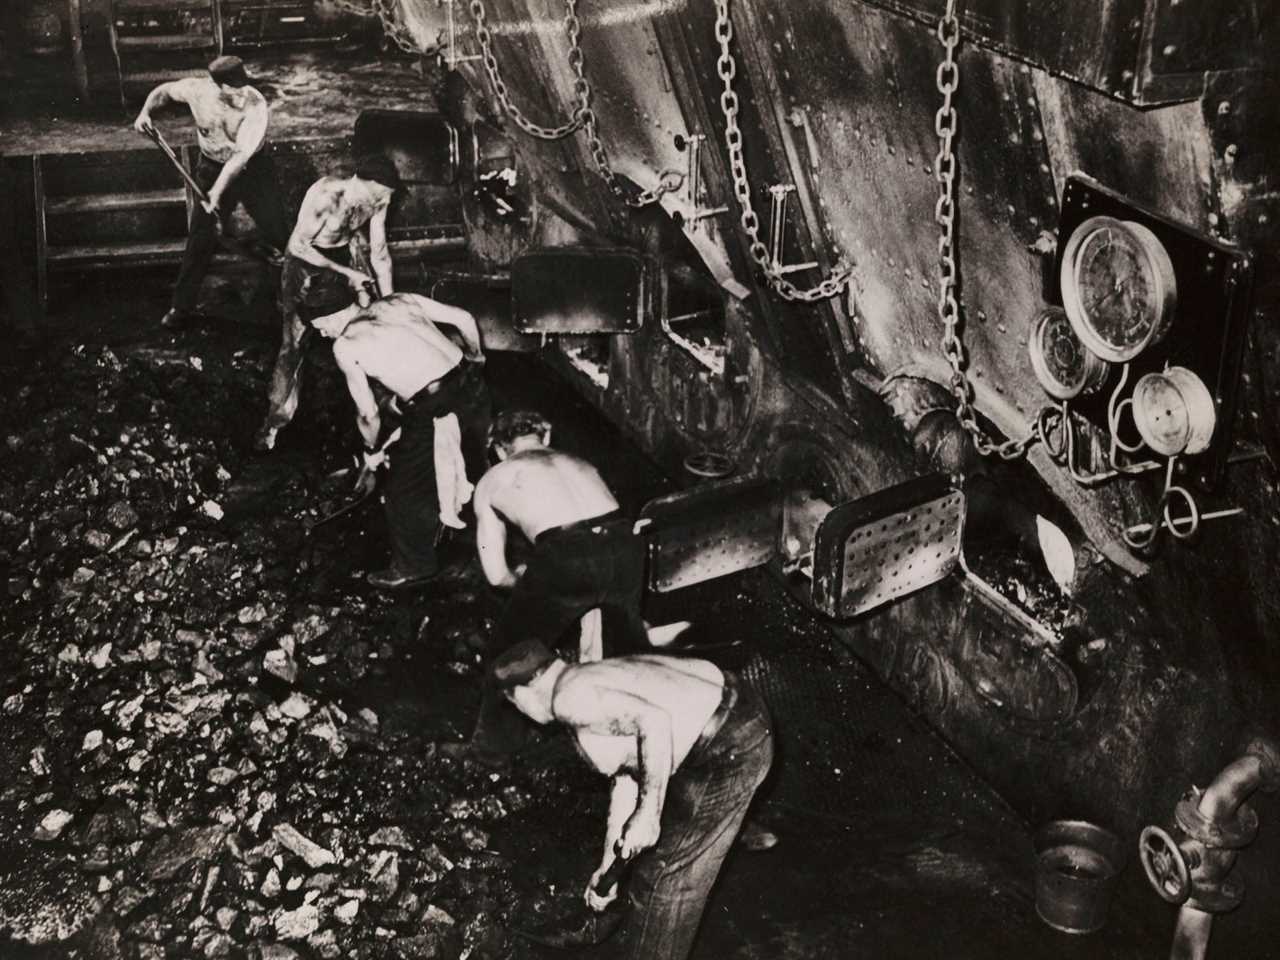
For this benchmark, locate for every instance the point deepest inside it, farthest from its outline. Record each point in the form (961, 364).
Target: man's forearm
(230, 170)
(370, 428)
(381, 262)
(655, 770)
(622, 803)
(307, 252)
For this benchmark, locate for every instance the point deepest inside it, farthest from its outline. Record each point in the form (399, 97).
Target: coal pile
(193, 762)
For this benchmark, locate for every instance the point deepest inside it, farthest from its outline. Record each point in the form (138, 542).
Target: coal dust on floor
(218, 742)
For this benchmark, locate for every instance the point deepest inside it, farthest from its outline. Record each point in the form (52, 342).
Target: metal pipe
(1191, 935)
(1220, 805)
(1232, 787)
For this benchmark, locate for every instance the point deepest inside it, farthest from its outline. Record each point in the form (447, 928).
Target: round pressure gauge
(1064, 366)
(1118, 287)
(1174, 412)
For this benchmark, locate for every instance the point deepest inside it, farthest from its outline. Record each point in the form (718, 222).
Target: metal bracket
(777, 229)
(451, 59)
(693, 180)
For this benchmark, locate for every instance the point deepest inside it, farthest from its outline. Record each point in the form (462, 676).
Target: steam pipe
(1222, 807)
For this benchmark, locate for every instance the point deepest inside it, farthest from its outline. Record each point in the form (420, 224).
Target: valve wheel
(708, 463)
(1165, 866)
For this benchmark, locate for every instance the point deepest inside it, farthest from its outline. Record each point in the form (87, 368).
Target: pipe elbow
(1230, 788)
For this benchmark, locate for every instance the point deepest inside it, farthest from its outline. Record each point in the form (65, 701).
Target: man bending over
(585, 555)
(396, 342)
(687, 745)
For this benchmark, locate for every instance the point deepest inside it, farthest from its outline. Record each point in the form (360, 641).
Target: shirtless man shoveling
(396, 342)
(686, 745)
(231, 125)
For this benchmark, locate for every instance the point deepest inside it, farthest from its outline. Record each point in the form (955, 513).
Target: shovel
(596, 927)
(261, 250)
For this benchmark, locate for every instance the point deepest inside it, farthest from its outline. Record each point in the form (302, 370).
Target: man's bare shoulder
(188, 89)
(326, 191)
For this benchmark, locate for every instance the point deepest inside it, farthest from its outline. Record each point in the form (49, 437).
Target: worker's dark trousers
(257, 189)
(593, 563)
(306, 292)
(412, 505)
(707, 800)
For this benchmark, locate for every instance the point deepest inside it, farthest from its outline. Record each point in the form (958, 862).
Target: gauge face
(1118, 287)
(1064, 366)
(1174, 412)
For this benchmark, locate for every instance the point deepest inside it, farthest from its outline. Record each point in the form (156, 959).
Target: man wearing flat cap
(686, 744)
(337, 251)
(231, 127)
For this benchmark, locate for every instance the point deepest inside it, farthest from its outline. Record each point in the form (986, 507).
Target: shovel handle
(611, 876)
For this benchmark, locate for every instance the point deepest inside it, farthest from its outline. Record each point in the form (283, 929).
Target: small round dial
(1118, 287)
(1064, 366)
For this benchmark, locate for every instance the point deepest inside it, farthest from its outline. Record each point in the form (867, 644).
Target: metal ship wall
(735, 256)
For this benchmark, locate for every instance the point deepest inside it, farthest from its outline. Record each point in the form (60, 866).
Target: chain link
(384, 10)
(580, 88)
(727, 68)
(948, 79)
(583, 118)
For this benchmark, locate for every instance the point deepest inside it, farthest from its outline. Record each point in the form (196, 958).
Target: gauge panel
(1118, 287)
(1205, 292)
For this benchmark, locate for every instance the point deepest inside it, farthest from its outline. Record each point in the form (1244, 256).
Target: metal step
(177, 41)
(103, 202)
(160, 6)
(135, 253)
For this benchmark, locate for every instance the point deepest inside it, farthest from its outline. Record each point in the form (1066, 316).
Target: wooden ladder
(158, 40)
(109, 211)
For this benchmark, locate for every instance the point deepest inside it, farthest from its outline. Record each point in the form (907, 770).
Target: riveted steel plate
(878, 548)
(581, 290)
(711, 531)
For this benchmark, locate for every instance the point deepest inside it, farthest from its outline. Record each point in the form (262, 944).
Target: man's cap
(522, 663)
(510, 424)
(379, 168)
(229, 70)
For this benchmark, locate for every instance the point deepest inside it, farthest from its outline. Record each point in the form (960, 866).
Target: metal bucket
(1076, 867)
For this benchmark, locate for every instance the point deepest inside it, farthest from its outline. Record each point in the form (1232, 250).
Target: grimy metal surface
(1151, 674)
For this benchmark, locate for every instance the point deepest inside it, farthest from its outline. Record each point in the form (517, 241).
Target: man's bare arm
(601, 706)
(491, 536)
(175, 91)
(322, 199)
(622, 804)
(253, 130)
(368, 420)
(379, 251)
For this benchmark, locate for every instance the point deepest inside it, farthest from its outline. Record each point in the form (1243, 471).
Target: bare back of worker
(395, 342)
(218, 112)
(610, 702)
(540, 488)
(334, 210)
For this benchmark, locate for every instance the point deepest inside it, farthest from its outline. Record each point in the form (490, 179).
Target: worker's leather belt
(604, 523)
(438, 384)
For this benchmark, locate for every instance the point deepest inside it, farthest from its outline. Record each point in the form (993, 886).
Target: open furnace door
(870, 551)
(575, 290)
(710, 531)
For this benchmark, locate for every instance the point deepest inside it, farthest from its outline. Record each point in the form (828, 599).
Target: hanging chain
(727, 68)
(583, 118)
(948, 79)
(392, 26)
(580, 88)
